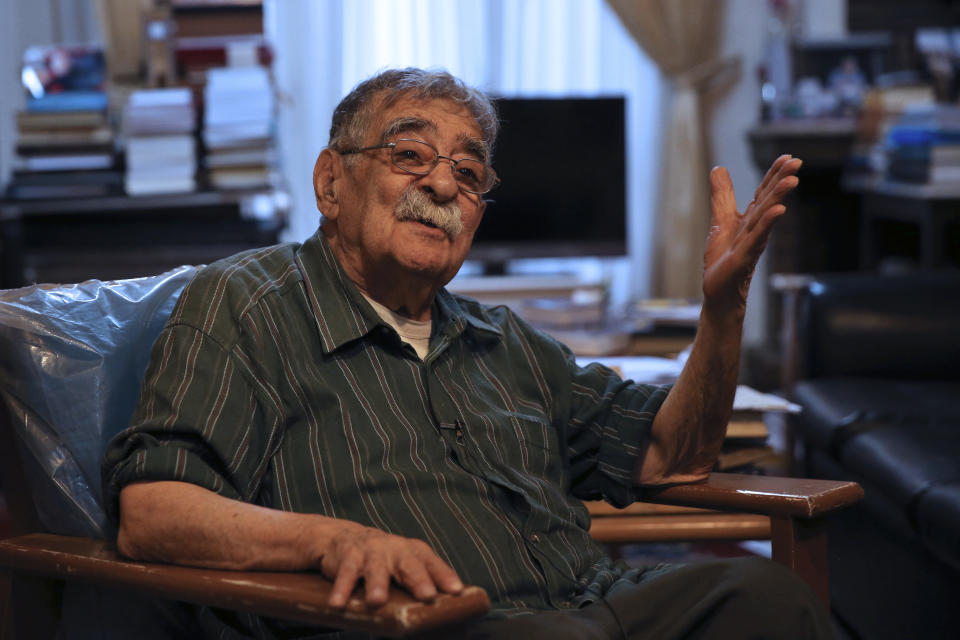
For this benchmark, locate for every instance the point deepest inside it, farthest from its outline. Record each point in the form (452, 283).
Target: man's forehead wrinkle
(405, 124)
(408, 123)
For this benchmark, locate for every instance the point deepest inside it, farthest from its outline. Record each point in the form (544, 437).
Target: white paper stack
(160, 149)
(238, 127)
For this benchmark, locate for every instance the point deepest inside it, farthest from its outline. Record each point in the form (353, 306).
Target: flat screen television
(562, 166)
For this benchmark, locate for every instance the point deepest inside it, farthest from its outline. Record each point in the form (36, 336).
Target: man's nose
(440, 180)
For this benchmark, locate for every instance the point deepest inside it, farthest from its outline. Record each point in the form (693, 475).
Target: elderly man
(331, 406)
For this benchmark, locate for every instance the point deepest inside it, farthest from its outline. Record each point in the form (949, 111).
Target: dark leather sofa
(879, 382)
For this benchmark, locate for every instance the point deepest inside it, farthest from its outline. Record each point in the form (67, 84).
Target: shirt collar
(343, 315)
(455, 318)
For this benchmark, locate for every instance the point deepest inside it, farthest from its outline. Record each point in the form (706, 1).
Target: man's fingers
(379, 558)
(755, 237)
(413, 575)
(758, 209)
(376, 583)
(782, 166)
(444, 576)
(347, 574)
(722, 200)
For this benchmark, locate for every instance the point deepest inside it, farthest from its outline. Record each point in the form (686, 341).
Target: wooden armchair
(72, 357)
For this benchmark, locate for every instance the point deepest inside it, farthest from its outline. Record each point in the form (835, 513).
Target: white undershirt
(416, 333)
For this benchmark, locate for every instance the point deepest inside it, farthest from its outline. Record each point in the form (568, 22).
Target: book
(739, 457)
(640, 369)
(238, 135)
(154, 111)
(160, 147)
(664, 341)
(241, 177)
(217, 18)
(55, 121)
(564, 313)
(68, 101)
(667, 312)
(76, 136)
(148, 150)
(65, 162)
(238, 107)
(195, 55)
(152, 185)
(170, 97)
(51, 150)
(41, 185)
(240, 156)
(747, 425)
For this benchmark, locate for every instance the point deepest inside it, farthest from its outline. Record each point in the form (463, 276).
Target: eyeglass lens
(419, 157)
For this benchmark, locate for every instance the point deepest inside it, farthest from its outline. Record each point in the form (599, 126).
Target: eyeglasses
(420, 158)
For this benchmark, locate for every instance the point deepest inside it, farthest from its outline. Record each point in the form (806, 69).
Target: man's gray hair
(352, 116)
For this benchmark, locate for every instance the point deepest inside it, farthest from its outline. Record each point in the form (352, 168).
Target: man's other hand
(357, 552)
(737, 240)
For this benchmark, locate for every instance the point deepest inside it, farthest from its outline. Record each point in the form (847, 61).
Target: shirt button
(534, 537)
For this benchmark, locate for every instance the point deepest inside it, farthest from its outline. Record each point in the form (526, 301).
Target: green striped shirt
(276, 383)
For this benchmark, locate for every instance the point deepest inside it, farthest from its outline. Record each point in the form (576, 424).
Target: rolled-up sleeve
(200, 419)
(608, 432)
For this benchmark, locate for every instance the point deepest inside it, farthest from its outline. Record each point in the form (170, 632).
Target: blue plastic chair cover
(71, 361)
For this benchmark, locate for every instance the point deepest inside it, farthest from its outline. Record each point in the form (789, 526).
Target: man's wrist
(722, 318)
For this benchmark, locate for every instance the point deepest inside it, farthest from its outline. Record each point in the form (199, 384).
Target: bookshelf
(119, 236)
(138, 182)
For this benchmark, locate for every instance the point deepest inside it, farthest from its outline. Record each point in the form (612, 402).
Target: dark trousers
(742, 599)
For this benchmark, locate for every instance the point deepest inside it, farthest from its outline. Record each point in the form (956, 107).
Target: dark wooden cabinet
(821, 230)
(908, 225)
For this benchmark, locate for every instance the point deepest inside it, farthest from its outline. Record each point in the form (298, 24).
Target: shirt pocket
(538, 449)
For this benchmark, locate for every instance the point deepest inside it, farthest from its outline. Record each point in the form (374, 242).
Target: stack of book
(65, 145)
(924, 146)
(63, 154)
(160, 148)
(238, 127)
(747, 447)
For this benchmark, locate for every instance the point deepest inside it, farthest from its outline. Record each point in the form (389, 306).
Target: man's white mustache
(416, 205)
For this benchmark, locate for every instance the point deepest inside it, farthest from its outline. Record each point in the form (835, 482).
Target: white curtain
(506, 47)
(683, 37)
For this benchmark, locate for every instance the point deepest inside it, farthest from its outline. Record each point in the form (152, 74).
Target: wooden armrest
(298, 596)
(775, 496)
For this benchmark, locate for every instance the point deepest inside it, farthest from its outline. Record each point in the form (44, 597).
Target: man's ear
(327, 172)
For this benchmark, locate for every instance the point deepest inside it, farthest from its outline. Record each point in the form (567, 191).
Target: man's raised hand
(736, 240)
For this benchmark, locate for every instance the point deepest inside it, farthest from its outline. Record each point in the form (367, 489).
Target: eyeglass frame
(436, 161)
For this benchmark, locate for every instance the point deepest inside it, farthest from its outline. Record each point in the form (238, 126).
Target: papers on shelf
(749, 399)
(652, 370)
(668, 312)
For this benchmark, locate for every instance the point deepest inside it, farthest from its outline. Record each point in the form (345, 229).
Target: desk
(113, 237)
(919, 222)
